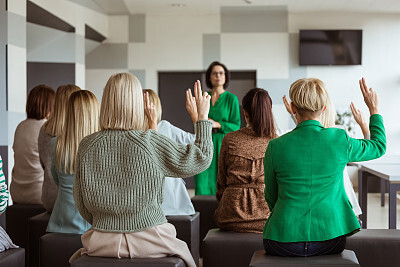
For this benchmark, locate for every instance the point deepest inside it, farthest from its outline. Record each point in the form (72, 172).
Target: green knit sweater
(119, 175)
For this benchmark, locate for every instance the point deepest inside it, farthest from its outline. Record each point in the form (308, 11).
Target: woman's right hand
(370, 97)
(202, 101)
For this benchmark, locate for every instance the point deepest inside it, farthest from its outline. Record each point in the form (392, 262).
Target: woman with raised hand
(120, 172)
(310, 211)
(27, 173)
(51, 128)
(240, 184)
(81, 119)
(225, 117)
(176, 199)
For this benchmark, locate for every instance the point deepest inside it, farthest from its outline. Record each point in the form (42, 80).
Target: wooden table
(388, 173)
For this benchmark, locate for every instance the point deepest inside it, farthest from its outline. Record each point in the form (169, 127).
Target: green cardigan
(304, 189)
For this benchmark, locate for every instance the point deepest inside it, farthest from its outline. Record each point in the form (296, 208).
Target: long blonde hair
(55, 124)
(122, 103)
(328, 117)
(82, 119)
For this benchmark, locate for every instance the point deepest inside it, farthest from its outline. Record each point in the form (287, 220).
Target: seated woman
(120, 172)
(5, 241)
(27, 173)
(81, 119)
(310, 212)
(51, 128)
(176, 199)
(240, 183)
(328, 120)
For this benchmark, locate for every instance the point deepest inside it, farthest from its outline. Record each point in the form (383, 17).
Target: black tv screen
(330, 47)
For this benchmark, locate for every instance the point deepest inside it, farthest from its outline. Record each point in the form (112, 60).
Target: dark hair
(209, 70)
(40, 102)
(258, 105)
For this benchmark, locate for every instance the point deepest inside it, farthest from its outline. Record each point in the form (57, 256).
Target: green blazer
(304, 188)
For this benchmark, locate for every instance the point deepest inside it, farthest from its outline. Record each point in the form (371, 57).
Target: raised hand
(360, 119)
(202, 101)
(150, 112)
(287, 105)
(370, 97)
(191, 106)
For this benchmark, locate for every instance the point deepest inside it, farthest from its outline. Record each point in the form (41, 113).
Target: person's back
(27, 173)
(310, 195)
(240, 184)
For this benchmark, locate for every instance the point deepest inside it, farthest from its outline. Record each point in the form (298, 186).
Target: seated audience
(328, 120)
(27, 174)
(51, 128)
(176, 199)
(5, 241)
(240, 183)
(81, 119)
(120, 172)
(310, 211)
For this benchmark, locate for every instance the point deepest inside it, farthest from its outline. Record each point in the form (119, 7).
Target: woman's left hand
(150, 112)
(215, 124)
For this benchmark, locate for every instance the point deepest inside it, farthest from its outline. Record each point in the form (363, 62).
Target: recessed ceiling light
(178, 5)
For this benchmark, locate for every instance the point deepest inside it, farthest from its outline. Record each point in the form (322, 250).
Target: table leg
(393, 188)
(383, 191)
(363, 194)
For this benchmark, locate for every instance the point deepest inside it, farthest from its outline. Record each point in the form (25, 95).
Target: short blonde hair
(153, 97)
(55, 125)
(329, 115)
(309, 95)
(122, 104)
(82, 119)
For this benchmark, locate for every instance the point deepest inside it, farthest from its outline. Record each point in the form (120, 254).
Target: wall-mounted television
(330, 47)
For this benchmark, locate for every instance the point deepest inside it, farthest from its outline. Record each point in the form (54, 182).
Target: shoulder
(230, 96)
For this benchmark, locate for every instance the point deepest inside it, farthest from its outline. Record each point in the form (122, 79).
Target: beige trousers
(156, 242)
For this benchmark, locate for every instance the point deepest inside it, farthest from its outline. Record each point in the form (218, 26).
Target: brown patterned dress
(240, 184)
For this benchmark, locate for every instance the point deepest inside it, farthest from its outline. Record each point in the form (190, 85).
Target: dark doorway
(172, 87)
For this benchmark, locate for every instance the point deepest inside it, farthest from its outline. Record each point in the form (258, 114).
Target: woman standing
(225, 117)
(81, 119)
(240, 184)
(51, 128)
(27, 174)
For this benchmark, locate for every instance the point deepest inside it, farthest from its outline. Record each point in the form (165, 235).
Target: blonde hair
(329, 115)
(55, 125)
(122, 104)
(308, 95)
(82, 119)
(153, 97)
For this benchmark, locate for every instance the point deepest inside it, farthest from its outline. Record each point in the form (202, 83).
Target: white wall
(380, 64)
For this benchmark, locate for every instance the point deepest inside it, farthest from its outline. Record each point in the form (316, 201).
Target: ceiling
(175, 7)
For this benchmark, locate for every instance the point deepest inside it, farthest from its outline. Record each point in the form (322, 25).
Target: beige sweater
(27, 174)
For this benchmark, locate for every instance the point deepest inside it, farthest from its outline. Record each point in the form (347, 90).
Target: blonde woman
(81, 119)
(176, 199)
(303, 169)
(51, 128)
(328, 119)
(120, 172)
